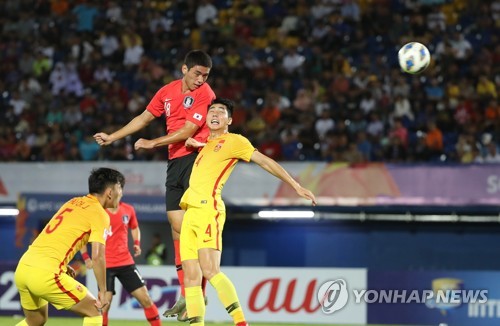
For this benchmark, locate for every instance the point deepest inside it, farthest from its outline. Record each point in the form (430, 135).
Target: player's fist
(88, 263)
(102, 139)
(143, 143)
(137, 250)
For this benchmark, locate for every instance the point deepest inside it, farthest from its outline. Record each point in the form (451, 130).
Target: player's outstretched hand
(191, 142)
(307, 194)
(102, 139)
(143, 143)
(70, 271)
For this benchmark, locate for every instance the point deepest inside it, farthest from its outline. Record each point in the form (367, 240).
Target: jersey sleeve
(198, 113)
(156, 106)
(241, 147)
(133, 223)
(99, 227)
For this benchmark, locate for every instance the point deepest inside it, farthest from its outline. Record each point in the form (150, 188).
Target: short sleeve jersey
(117, 250)
(181, 107)
(79, 221)
(213, 166)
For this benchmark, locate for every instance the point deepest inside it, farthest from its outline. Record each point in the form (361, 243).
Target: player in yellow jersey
(201, 232)
(43, 274)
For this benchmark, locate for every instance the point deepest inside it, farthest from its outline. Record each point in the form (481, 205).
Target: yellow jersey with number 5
(212, 168)
(79, 221)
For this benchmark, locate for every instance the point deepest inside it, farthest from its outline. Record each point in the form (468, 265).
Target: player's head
(219, 115)
(196, 68)
(197, 58)
(107, 184)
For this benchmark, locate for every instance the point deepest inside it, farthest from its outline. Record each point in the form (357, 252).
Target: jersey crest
(219, 145)
(188, 102)
(125, 219)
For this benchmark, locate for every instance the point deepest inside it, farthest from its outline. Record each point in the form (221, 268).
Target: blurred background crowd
(313, 80)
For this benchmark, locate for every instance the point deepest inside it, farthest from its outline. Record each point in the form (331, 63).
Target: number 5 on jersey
(51, 227)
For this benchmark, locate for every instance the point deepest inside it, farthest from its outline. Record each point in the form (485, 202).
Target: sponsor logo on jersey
(188, 102)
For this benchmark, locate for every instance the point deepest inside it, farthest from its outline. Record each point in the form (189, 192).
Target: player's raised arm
(133, 126)
(278, 171)
(188, 130)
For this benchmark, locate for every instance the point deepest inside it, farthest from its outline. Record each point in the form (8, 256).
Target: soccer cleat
(183, 316)
(177, 308)
(243, 323)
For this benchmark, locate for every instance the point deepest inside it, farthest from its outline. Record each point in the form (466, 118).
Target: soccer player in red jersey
(184, 103)
(120, 263)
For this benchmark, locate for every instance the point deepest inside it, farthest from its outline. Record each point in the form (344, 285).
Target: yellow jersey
(212, 168)
(79, 221)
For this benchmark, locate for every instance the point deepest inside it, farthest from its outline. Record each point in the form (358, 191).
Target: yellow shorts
(201, 228)
(38, 286)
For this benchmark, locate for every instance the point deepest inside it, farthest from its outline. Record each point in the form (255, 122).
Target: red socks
(178, 265)
(152, 315)
(105, 318)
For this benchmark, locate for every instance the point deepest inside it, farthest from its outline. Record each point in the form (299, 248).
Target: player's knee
(191, 279)
(39, 319)
(145, 302)
(208, 273)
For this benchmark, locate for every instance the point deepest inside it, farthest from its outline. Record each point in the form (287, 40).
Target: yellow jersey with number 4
(212, 168)
(79, 221)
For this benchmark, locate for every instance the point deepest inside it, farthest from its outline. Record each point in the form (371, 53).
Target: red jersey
(117, 251)
(179, 107)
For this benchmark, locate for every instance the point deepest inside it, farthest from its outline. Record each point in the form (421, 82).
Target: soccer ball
(414, 57)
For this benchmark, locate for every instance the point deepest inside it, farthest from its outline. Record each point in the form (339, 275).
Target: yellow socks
(195, 306)
(227, 295)
(22, 323)
(92, 321)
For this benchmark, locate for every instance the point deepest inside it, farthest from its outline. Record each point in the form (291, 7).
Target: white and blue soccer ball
(414, 57)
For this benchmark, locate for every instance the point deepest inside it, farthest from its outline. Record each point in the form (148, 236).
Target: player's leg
(133, 282)
(86, 308)
(195, 305)
(178, 173)
(209, 256)
(175, 218)
(111, 274)
(35, 317)
(210, 265)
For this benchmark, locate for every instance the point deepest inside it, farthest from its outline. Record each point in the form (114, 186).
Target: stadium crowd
(313, 80)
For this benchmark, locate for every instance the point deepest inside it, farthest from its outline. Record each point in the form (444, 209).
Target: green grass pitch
(58, 321)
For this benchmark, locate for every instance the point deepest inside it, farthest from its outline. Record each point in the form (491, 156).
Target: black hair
(103, 178)
(226, 102)
(197, 58)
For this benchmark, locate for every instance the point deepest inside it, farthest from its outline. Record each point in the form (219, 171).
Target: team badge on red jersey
(125, 219)
(188, 102)
(219, 145)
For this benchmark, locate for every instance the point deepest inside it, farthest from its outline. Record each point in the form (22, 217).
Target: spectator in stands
(361, 74)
